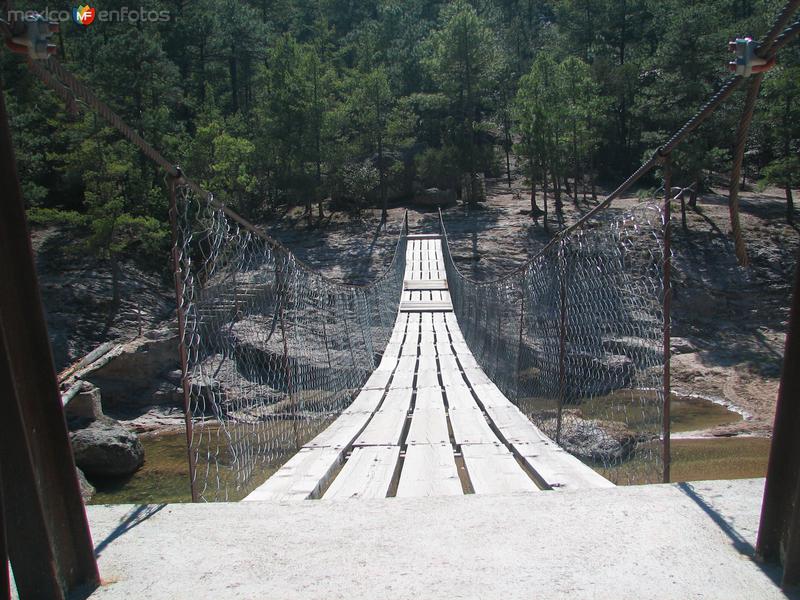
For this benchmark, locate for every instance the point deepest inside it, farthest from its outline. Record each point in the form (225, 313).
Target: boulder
(105, 448)
(87, 489)
(679, 345)
(591, 439)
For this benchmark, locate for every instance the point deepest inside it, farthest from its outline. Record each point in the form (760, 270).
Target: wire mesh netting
(275, 351)
(575, 339)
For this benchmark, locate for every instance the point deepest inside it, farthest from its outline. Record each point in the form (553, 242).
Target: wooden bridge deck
(428, 422)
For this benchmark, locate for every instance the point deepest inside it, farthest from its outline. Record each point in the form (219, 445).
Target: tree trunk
(575, 159)
(535, 210)
(234, 76)
(557, 194)
(693, 198)
(544, 199)
(683, 211)
(508, 166)
(789, 204)
(381, 165)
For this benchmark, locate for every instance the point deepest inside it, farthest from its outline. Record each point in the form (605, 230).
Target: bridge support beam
(779, 531)
(47, 533)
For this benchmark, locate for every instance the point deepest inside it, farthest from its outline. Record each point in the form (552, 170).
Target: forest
(335, 105)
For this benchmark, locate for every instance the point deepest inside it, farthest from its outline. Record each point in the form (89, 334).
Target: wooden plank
(391, 352)
(490, 396)
(301, 477)
(443, 348)
(559, 469)
(428, 284)
(514, 426)
(456, 336)
(404, 374)
(386, 425)
(428, 363)
(476, 376)
(494, 470)
(397, 399)
(426, 322)
(468, 362)
(461, 349)
(366, 401)
(423, 236)
(428, 378)
(470, 426)
(425, 306)
(428, 423)
(411, 345)
(451, 373)
(342, 432)
(379, 379)
(399, 331)
(429, 470)
(427, 355)
(366, 474)
(389, 361)
(459, 396)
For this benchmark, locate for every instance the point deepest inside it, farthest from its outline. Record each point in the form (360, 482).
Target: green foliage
(353, 182)
(783, 172)
(286, 102)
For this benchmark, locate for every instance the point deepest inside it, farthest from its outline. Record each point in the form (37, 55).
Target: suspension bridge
(428, 417)
(390, 438)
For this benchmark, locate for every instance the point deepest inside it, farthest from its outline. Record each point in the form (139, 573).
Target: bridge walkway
(428, 421)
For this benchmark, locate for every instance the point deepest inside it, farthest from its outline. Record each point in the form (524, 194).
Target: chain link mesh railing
(575, 338)
(273, 350)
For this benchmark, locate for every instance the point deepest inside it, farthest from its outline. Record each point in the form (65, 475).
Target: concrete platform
(667, 541)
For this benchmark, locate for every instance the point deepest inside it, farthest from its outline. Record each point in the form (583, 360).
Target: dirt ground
(729, 322)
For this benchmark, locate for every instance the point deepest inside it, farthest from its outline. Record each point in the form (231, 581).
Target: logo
(83, 15)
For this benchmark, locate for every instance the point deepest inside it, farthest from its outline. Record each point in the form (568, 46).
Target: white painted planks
(429, 470)
(366, 474)
(494, 470)
(301, 477)
(429, 421)
(386, 425)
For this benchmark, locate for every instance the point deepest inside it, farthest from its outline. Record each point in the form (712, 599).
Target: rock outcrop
(86, 405)
(139, 372)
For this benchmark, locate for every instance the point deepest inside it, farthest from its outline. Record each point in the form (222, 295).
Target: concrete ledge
(664, 541)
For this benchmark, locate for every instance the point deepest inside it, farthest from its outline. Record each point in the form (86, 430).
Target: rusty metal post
(497, 345)
(283, 289)
(184, 355)
(5, 576)
(519, 342)
(47, 533)
(325, 338)
(665, 425)
(779, 531)
(562, 339)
